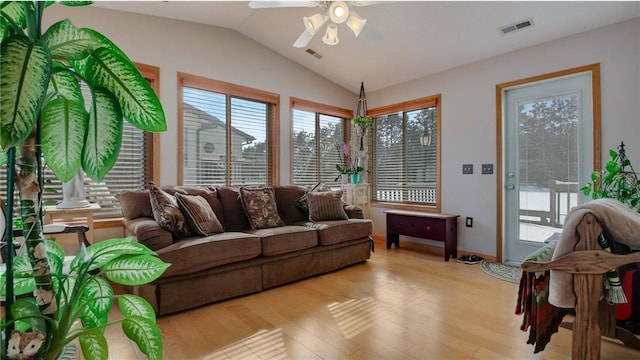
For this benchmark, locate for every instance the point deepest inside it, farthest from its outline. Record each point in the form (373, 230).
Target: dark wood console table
(431, 226)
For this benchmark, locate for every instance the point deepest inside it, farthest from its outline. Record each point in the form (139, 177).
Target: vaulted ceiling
(419, 38)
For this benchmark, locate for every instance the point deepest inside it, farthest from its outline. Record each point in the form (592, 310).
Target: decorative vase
(344, 179)
(355, 178)
(73, 193)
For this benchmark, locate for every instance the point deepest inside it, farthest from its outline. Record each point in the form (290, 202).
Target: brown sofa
(240, 261)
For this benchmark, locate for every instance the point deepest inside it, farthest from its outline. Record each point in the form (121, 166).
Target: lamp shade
(313, 23)
(356, 23)
(338, 12)
(331, 36)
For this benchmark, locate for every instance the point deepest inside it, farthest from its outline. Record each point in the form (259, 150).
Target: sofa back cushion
(234, 216)
(135, 204)
(286, 197)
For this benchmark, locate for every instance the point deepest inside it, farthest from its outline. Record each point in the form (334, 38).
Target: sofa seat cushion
(285, 239)
(338, 231)
(191, 255)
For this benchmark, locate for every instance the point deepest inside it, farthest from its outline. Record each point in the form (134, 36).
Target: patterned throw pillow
(260, 206)
(324, 206)
(167, 212)
(302, 201)
(199, 214)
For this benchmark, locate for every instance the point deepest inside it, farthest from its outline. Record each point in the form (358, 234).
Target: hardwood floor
(401, 304)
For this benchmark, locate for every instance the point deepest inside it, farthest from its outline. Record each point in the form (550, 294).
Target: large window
(226, 133)
(137, 164)
(318, 131)
(406, 148)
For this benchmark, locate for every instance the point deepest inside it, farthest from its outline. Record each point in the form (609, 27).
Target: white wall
(469, 116)
(213, 52)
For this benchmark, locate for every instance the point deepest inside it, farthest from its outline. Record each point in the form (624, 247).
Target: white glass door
(548, 152)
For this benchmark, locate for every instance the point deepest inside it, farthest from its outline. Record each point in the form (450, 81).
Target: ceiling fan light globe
(339, 12)
(313, 23)
(356, 23)
(331, 36)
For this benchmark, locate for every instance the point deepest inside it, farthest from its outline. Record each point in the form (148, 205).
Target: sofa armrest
(148, 232)
(354, 212)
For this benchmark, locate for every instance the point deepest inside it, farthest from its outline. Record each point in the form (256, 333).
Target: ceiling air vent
(517, 26)
(315, 54)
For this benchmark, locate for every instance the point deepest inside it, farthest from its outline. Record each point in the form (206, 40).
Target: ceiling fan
(336, 12)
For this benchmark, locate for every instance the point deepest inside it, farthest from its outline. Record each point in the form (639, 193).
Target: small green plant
(362, 123)
(617, 181)
(82, 293)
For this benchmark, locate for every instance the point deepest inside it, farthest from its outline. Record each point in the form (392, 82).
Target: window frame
(317, 109)
(406, 106)
(238, 91)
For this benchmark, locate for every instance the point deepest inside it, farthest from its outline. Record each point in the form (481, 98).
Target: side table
(77, 215)
(357, 194)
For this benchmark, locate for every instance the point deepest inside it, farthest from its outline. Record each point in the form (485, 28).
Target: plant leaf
(104, 251)
(24, 76)
(80, 65)
(99, 296)
(133, 305)
(145, 334)
(64, 125)
(27, 308)
(63, 83)
(134, 270)
(94, 345)
(76, 3)
(139, 103)
(104, 135)
(15, 11)
(89, 319)
(67, 42)
(54, 249)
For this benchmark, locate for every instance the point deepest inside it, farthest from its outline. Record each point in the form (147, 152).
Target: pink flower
(346, 149)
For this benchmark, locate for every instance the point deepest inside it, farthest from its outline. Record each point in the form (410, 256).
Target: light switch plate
(467, 169)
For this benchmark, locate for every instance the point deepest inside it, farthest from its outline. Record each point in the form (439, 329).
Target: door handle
(510, 187)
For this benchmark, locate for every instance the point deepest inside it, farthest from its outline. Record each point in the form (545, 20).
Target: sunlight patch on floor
(353, 316)
(265, 344)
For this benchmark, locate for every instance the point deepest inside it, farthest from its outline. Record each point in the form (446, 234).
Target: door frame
(594, 69)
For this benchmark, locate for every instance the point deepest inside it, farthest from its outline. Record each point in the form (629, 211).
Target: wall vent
(313, 53)
(517, 26)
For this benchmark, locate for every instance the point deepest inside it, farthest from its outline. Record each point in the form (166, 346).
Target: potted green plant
(362, 123)
(618, 180)
(43, 115)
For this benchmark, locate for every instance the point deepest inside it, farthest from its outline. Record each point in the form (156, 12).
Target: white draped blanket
(620, 222)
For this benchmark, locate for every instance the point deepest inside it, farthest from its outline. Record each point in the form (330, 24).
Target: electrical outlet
(467, 169)
(487, 169)
(469, 221)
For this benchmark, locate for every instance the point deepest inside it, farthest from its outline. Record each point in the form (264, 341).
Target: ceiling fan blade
(371, 35)
(279, 4)
(303, 39)
(365, 3)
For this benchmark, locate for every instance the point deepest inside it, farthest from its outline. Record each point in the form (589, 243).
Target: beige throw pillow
(199, 214)
(324, 206)
(260, 206)
(166, 212)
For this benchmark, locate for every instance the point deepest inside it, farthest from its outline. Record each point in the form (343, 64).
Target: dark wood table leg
(393, 239)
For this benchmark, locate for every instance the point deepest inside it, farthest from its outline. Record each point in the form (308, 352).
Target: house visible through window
(227, 134)
(318, 131)
(132, 171)
(406, 143)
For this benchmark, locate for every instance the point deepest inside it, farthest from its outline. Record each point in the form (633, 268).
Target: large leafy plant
(618, 180)
(43, 115)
